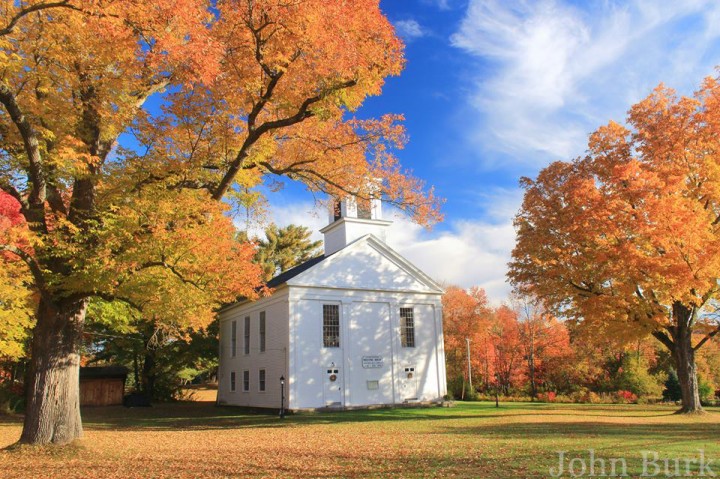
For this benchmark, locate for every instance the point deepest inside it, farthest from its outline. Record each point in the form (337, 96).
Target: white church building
(358, 326)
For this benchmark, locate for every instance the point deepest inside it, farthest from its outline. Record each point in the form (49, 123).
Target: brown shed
(102, 386)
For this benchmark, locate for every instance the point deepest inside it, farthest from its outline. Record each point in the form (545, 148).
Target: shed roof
(104, 372)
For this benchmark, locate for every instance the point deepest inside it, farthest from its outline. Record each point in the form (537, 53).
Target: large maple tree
(247, 88)
(627, 239)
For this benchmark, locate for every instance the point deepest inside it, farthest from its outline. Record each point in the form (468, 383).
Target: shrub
(705, 390)
(624, 397)
(12, 399)
(471, 394)
(549, 396)
(633, 376)
(455, 386)
(584, 396)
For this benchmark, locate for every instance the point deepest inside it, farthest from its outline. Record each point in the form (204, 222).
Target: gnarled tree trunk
(53, 389)
(684, 356)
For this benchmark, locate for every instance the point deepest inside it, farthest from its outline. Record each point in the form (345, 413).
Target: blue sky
(495, 90)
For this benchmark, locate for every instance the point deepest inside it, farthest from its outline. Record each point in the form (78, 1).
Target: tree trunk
(136, 368)
(684, 356)
(53, 390)
(533, 386)
(148, 374)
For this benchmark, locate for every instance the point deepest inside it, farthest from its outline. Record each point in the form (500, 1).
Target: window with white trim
(407, 327)
(233, 339)
(261, 330)
(261, 380)
(232, 381)
(331, 325)
(246, 381)
(246, 335)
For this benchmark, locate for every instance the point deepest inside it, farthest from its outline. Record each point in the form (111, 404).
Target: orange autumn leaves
(16, 303)
(618, 236)
(503, 340)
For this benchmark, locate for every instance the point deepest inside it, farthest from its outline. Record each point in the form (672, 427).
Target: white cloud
(550, 72)
(470, 253)
(409, 30)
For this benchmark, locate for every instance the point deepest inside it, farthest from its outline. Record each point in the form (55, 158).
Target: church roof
(286, 276)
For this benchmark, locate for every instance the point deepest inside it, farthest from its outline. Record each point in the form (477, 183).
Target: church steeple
(352, 218)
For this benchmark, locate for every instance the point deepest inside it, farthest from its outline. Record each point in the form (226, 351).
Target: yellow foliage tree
(249, 88)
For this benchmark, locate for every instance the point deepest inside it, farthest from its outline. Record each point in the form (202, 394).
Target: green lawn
(193, 440)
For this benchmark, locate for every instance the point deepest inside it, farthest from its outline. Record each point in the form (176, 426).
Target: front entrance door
(333, 386)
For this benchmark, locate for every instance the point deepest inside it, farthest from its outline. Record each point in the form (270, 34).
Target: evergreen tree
(672, 391)
(285, 248)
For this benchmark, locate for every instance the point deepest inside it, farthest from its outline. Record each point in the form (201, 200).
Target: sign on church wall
(372, 362)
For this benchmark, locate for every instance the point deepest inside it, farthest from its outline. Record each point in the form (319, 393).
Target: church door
(333, 386)
(408, 383)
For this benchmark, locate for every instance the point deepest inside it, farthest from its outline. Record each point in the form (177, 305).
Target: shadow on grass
(207, 416)
(669, 432)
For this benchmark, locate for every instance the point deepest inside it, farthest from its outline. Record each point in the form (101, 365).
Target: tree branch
(38, 192)
(665, 339)
(34, 267)
(34, 8)
(254, 135)
(172, 269)
(12, 191)
(584, 289)
(112, 297)
(707, 337)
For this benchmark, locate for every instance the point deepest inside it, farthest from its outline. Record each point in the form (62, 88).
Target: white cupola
(352, 218)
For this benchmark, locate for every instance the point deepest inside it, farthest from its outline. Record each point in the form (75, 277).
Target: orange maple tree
(543, 339)
(507, 349)
(248, 89)
(627, 239)
(466, 315)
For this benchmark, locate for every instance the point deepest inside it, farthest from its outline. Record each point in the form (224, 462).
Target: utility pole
(467, 341)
